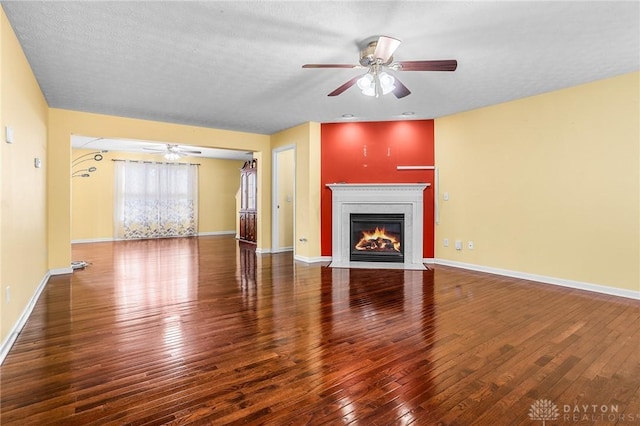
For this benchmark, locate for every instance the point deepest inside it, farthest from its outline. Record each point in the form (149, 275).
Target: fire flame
(378, 240)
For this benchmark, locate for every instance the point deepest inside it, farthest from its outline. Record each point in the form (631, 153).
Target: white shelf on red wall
(415, 167)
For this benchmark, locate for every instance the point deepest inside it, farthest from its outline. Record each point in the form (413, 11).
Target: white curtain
(155, 200)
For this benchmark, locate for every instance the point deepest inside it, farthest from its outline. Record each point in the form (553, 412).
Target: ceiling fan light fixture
(369, 91)
(172, 156)
(365, 82)
(387, 82)
(372, 84)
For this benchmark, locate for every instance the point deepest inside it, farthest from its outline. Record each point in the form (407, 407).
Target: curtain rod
(156, 162)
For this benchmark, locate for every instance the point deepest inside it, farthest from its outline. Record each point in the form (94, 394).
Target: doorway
(283, 185)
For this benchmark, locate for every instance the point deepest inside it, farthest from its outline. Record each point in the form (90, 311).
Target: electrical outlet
(7, 295)
(458, 245)
(446, 242)
(470, 245)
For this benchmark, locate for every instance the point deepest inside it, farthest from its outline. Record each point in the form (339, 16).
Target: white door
(283, 199)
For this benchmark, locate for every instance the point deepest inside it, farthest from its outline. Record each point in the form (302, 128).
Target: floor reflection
(390, 312)
(399, 294)
(247, 282)
(155, 272)
(376, 293)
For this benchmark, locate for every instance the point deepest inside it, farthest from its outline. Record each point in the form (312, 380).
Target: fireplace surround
(405, 199)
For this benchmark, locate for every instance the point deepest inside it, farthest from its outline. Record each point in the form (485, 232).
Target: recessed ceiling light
(347, 115)
(408, 113)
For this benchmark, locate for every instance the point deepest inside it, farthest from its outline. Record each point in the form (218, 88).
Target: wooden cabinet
(248, 201)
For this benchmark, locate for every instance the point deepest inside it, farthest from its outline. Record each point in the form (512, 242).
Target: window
(155, 200)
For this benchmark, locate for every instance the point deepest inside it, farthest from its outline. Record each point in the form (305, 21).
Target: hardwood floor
(202, 331)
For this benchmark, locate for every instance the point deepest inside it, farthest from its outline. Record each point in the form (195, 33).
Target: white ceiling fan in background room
(376, 54)
(173, 152)
(155, 147)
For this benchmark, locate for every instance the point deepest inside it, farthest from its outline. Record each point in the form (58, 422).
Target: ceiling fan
(377, 55)
(174, 152)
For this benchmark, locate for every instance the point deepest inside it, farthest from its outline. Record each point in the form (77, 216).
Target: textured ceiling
(237, 65)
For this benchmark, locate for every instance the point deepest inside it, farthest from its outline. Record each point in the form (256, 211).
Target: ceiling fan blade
(400, 90)
(385, 48)
(187, 151)
(154, 149)
(345, 86)
(442, 65)
(330, 66)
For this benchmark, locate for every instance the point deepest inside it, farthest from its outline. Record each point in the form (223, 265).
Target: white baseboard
(263, 250)
(61, 271)
(312, 259)
(204, 234)
(111, 239)
(22, 320)
(612, 291)
(282, 249)
(92, 240)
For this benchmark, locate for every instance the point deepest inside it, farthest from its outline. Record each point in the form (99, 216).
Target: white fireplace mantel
(382, 198)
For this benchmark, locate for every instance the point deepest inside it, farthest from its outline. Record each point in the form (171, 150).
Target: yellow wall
(219, 182)
(64, 123)
(92, 198)
(547, 185)
(3, 26)
(23, 233)
(306, 138)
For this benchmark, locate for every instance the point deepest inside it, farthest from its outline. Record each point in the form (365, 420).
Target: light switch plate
(8, 134)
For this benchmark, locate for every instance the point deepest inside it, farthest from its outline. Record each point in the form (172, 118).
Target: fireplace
(377, 237)
(403, 199)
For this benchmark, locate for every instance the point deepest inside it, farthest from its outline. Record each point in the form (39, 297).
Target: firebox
(377, 237)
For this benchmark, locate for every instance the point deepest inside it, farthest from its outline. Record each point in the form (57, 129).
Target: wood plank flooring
(202, 331)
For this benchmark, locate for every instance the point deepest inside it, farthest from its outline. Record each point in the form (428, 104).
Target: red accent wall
(369, 153)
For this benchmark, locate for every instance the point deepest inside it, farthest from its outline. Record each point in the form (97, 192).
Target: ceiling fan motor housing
(367, 55)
